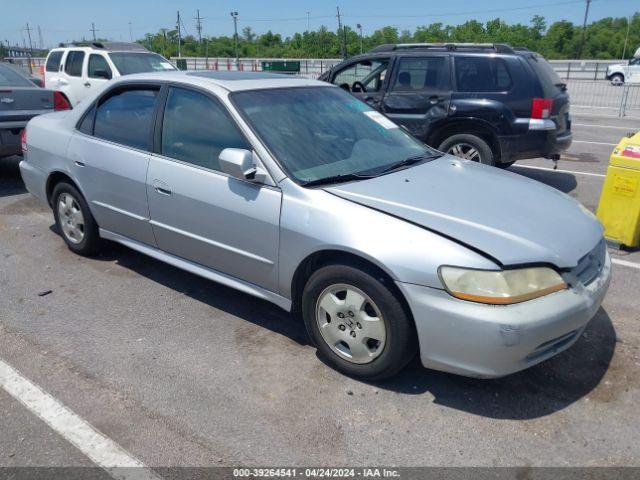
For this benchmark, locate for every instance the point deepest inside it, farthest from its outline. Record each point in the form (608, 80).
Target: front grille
(590, 266)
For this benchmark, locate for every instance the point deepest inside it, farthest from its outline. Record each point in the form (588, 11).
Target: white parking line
(596, 143)
(624, 263)
(560, 170)
(603, 126)
(101, 450)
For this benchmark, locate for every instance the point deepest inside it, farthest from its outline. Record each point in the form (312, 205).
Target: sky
(65, 20)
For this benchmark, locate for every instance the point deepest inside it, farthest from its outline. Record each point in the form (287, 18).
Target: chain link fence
(590, 91)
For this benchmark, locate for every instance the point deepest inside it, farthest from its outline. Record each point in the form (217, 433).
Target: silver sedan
(293, 191)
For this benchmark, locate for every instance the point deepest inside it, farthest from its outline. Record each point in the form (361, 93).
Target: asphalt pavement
(180, 371)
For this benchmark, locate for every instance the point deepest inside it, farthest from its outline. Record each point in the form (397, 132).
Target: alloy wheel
(464, 150)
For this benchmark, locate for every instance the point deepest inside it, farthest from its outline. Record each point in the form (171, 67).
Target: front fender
(313, 220)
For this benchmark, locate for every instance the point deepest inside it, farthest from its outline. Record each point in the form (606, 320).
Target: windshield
(129, 63)
(317, 133)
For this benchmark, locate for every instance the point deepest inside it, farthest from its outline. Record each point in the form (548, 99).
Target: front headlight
(501, 287)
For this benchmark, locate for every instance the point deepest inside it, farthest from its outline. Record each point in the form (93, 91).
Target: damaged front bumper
(488, 341)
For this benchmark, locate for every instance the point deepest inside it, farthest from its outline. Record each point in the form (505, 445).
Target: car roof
(231, 81)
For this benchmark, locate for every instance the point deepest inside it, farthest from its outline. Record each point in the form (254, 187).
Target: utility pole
(360, 29)
(30, 44)
(179, 33)
(308, 12)
(234, 15)
(584, 29)
(130, 33)
(40, 41)
(93, 30)
(626, 40)
(344, 34)
(199, 29)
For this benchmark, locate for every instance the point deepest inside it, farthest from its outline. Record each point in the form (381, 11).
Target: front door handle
(161, 188)
(87, 84)
(79, 163)
(435, 99)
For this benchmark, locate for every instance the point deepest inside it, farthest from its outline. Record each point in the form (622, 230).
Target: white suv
(78, 69)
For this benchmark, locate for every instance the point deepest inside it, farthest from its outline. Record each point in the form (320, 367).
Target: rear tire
(357, 322)
(469, 147)
(74, 220)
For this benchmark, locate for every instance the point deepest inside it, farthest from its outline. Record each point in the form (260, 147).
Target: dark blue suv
(485, 102)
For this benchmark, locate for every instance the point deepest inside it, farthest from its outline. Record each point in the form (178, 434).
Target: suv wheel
(469, 147)
(617, 79)
(357, 323)
(74, 220)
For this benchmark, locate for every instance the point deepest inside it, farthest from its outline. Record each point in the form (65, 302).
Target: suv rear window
(53, 62)
(482, 74)
(73, 63)
(551, 83)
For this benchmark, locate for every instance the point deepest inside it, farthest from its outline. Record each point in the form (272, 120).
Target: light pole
(234, 15)
(360, 29)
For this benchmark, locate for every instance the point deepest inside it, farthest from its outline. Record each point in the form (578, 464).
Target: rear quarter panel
(47, 141)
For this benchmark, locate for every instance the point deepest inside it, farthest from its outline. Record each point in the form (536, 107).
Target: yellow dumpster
(619, 207)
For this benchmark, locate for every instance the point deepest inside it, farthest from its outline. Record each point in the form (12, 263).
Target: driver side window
(367, 73)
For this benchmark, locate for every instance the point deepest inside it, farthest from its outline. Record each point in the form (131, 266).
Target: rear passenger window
(73, 64)
(482, 74)
(86, 125)
(53, 62)
(126, 117)
(98, 67)
(195, 129)
(416, 74)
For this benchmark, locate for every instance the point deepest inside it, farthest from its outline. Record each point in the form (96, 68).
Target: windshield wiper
(407, 162)
(346, 177)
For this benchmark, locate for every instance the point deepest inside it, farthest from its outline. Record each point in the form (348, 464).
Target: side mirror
(102, 74)
(239, 163)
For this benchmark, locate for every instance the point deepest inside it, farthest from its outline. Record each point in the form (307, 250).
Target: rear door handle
(87, 84)
(79, 163)
(435, 99)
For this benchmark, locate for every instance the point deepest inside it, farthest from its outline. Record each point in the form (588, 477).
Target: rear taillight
(60, 102)
(541, 107)
(23, 140)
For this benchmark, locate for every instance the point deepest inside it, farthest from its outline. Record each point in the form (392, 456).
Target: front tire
(74, 220)
(357, 322)
(617, 79)
(469, 147)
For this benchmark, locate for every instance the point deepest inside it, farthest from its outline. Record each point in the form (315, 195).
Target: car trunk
(20, 104)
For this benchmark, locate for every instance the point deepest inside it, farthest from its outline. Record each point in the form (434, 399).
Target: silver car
(293, 191)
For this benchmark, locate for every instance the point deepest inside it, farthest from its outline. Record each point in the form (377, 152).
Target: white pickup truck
(76, 70)
(629, 72)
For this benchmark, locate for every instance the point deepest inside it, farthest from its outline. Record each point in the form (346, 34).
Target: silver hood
(509, 217)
